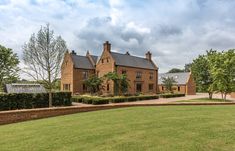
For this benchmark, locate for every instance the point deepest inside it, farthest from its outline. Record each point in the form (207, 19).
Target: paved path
(166, 100)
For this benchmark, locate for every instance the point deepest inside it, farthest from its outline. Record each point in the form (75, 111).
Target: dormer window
(107, 60)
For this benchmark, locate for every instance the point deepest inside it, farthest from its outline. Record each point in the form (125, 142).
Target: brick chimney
(148, 55)
(107, 46)
(87, 53)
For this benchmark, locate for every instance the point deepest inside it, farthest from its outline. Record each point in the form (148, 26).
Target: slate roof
(24, 88)
(132, 61)
(82, 62)
(181, 78)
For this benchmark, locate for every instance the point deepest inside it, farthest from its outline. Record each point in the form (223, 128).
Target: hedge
(172, 95)
(13, 101)
(101, 100)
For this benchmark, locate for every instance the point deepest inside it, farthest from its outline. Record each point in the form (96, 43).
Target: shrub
(100, 101)
(14, 101)
(118, 99)
(106, 100)
(87, 100)
(172, 95)
(77, 99)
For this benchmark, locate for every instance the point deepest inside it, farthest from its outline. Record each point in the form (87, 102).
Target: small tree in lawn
(168, 82)
(94, 84)
(222, 68)
(43, 56)
(8, 66)
(201, 73)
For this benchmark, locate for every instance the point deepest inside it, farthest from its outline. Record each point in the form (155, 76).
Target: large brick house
(184, 83)
(141, 72)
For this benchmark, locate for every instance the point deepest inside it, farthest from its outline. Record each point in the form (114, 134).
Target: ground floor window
(150, 87)
(178, 88)
(162, 88)
(138, 87)
(107, 87)
(66, 87)
(84, 87)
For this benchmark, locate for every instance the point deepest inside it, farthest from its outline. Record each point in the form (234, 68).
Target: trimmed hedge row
(13, 101)
(172, 95)
(100, 100)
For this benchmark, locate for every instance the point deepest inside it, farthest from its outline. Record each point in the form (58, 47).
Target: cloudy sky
(175, 31)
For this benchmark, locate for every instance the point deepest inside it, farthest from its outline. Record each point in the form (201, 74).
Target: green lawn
(204, 100)
(189, 128)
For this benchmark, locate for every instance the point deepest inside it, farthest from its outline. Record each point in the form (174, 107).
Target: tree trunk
(210, 95)
(225, 97)
(50, 98)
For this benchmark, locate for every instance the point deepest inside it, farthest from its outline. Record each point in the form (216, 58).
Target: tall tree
(222, 69)
(8, 66)
(201, 73)
(168, 82)
(43, 56)
(175, 70)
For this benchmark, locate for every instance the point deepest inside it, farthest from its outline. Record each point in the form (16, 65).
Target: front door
(138, 87)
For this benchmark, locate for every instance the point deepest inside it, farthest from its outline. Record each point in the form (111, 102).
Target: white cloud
(175, 31)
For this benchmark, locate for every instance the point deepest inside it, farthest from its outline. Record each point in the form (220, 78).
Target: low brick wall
(7, 117)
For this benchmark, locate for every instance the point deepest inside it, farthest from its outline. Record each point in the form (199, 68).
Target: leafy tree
(124, 84)
(113, 76)
(201, 73)
(43, 55)
(8, 66)
(120, 82)
(94, 84)
(187, 67)
(168, 82)
(175, 70)
(222, 69)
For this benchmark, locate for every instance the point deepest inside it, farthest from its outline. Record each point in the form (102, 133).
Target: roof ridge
(129, 55)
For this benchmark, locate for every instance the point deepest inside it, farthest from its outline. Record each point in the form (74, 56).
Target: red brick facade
(141, 80)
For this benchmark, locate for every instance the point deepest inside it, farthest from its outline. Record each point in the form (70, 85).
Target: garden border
(13, 116)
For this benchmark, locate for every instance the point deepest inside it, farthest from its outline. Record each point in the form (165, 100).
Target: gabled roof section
(24, 88)
(132, 61)
(95, 58)
(82, 62)
(181, 78)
